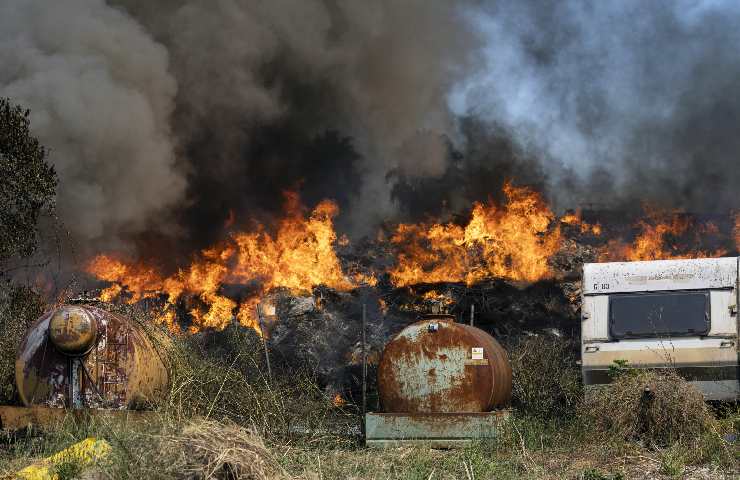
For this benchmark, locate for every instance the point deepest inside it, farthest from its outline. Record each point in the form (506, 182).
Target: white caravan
(678, 314)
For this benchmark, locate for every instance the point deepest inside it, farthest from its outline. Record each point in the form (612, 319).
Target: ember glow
(338, 401)
(299, 256)
(513, 241)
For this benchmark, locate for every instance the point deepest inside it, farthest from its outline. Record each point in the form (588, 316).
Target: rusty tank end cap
(73, 330)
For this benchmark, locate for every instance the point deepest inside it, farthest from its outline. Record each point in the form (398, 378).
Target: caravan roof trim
(657, 275)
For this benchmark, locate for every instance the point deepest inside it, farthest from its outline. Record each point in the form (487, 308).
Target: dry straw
(207, 449)
(657, 407)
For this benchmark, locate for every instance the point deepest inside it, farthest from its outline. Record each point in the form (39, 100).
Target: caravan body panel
(678, 314)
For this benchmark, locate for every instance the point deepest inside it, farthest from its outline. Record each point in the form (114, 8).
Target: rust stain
(122, 369)
(425, 369)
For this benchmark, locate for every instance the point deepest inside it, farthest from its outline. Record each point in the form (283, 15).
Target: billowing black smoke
(166, 119)
(322, 96)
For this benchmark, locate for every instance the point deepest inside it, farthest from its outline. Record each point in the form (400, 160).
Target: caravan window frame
(620, 334)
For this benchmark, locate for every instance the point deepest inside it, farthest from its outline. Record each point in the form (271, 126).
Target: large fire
(513, 241)
(665, 236)
(299, 256)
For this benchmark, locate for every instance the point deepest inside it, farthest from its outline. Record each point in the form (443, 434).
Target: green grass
(306, 437)
(528, 447)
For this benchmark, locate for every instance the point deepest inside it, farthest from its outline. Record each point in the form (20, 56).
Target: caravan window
(637, 315)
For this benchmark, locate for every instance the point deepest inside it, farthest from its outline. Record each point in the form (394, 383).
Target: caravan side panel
(708, 361)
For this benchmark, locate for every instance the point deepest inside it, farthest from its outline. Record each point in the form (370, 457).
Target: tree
(27, 183)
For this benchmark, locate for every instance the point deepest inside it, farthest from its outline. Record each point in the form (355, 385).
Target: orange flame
(659, 239)
(513, 242)
(574, 219)
(140, 279)
(298, 257)
(338, 400)
(736, 230)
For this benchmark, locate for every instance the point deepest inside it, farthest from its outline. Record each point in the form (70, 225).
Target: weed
(547, 382)
(620, 367)
(673, 461)
(67, 469)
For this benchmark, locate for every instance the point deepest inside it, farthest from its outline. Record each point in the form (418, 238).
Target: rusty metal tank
(439, 366)
(80, 356)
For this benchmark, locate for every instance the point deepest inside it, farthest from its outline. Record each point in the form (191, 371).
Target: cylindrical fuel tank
(438, 366)
(80, 356)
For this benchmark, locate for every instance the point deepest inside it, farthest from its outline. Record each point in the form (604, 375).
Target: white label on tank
(476, 353)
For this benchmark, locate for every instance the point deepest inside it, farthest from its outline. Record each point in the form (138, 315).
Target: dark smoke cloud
(644, 97)
(329, 95)
(475, 170)
(164, 117)
(174, 113)
(101, 97)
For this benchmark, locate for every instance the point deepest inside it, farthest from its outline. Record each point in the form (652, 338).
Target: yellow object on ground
(83, 454)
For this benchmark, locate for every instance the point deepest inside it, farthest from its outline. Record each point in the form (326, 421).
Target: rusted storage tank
(79, 356)
(439, 366)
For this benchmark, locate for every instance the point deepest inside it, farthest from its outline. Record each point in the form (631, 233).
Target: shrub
(547, 381)
(673, 461)
(19, 307)
(28, 183)
(655, 406)
(68, 469)
(284, 406)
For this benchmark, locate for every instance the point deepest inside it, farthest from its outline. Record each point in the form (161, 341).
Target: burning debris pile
(299, 256)
(511, 243)
(514, 267)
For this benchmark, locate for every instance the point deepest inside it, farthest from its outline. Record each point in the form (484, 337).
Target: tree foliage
(27, 182)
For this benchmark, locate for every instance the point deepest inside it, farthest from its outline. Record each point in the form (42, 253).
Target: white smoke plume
(636, 100)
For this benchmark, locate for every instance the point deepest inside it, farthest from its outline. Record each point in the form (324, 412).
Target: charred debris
(321, 329)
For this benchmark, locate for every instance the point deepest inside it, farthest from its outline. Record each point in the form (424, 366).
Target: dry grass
(547, 381)
(163, 447)
(208, 449)
(657, 407)
(222, 376)
(197, 449)
(225, 419)
(285, 408)
(158, 449)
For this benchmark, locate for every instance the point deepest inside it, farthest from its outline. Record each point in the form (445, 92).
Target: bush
(19, 307)
(28, 183)
(657, 407)
(547, 381)
(285, 407)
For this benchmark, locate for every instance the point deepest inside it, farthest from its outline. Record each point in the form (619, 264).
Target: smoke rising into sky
(261, 84)
(646, 93)
(164, 117)
(101, 98)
